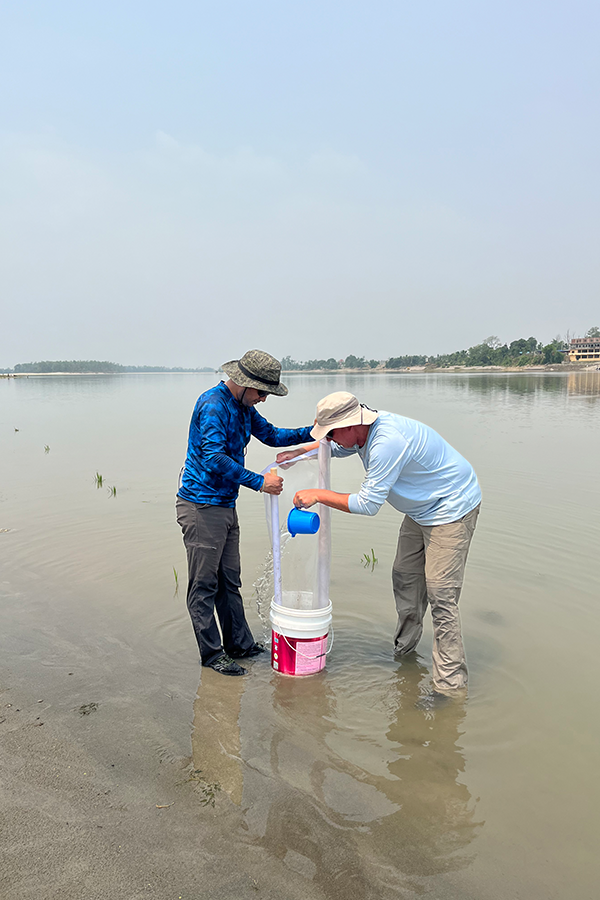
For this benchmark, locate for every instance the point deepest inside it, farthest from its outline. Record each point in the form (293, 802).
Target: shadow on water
(353, 813)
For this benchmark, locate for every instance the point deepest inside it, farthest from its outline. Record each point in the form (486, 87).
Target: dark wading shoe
(225, 665)
(255, 650)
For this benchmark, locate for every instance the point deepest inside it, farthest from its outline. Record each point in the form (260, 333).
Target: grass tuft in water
(98, 480)
(176, 581)
(208, 789)
(112, 491)
(46, 448)
(369, 561)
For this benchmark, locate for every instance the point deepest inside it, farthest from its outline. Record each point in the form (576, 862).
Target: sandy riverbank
(97, 808)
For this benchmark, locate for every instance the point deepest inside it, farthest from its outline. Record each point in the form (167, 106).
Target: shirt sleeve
(214, 427)
(387, 458)
(277, 437)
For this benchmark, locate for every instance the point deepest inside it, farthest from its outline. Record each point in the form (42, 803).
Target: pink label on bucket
(310, 656)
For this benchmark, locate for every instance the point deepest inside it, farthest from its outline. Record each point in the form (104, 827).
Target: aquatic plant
(112, 491)
(98, 480)
(46, 448)
(176, 580)
(208, 789)
(369, 561)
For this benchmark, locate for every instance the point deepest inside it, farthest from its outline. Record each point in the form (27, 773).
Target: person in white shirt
(412, 467)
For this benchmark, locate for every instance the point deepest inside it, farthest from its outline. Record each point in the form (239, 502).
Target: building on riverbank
(585, 349)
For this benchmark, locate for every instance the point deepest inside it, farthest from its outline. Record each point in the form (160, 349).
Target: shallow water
(346, 777)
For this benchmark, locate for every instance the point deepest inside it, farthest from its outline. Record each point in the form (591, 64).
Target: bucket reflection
(344, 808)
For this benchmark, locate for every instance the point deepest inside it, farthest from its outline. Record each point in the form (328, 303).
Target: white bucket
(300, 623)
(299, 639)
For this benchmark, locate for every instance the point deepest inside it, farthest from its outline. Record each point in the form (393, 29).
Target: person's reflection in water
(347, 823)
(302, 822)
(436, 817)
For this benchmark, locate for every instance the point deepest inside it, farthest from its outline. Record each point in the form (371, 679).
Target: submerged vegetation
(369, 561)
(99, 482)
(208, 789)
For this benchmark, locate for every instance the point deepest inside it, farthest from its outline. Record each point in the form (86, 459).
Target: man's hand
(305, 499)
(287, 455)
(272, 484)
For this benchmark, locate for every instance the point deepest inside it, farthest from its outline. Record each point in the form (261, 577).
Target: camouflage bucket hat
(256, 369)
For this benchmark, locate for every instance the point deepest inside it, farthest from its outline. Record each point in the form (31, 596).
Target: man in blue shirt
(223, 421)
(419, 474)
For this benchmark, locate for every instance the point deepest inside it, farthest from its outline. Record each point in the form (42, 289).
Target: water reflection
(532, 384)
(584, 384)
(345, 808)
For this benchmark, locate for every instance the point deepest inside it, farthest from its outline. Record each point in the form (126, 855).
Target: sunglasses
(262, 394)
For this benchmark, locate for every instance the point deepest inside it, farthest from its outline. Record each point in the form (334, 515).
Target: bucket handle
(299, 652)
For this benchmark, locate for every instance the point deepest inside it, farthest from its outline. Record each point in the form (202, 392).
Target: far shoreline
(409, 370)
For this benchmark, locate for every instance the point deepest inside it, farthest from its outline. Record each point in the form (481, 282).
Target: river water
(346, 778)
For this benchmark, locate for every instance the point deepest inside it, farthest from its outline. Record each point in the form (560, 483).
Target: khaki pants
(429, 569)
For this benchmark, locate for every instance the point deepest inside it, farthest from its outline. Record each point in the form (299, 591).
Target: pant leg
(237, 637)
(205, 530)
(410, 591)
(446, 551)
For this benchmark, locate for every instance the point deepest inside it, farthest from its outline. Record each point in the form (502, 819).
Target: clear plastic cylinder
(301, 564)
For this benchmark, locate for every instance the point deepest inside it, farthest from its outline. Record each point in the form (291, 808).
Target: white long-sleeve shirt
(411, 466)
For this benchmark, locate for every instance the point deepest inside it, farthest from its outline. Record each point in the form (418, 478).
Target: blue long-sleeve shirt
(220, 431)
(411, 466)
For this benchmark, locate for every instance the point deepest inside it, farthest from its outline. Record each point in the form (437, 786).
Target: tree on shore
(355, 362)
(491, 352)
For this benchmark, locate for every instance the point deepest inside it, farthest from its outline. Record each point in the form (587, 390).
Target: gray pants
(211, 535)
(429, 568)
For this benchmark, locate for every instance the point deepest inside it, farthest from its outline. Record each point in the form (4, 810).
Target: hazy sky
(182, 181)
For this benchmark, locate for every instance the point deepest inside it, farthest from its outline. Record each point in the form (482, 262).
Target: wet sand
(81, 817)
(97, 804)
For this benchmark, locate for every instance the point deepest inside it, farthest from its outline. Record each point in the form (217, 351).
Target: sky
(183, 181)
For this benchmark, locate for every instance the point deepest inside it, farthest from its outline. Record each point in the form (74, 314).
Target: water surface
(344, 777)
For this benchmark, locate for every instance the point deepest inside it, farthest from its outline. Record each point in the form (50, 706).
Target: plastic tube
(276, 543)
(324, 555)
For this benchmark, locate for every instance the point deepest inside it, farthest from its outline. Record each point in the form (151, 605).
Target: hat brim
(363, 416)
(232, 369)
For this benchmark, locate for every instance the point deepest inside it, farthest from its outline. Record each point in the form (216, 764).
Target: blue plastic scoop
(302, 521)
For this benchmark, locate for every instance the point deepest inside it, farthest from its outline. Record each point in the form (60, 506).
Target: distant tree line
(89, 365)
(350, 362)
(491, 352)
